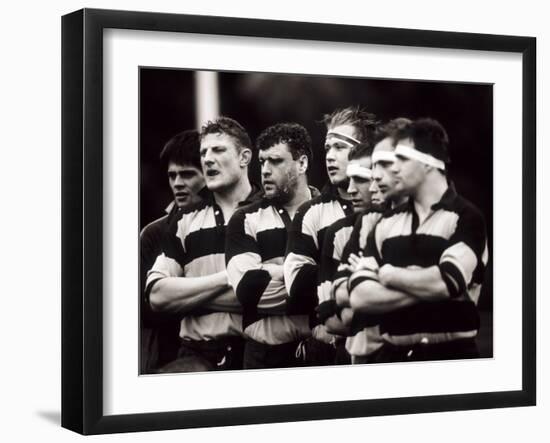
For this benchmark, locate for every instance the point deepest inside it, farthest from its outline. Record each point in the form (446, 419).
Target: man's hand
(358, 263)
(275, 271)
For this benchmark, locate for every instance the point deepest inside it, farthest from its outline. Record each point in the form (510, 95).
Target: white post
(206, 96)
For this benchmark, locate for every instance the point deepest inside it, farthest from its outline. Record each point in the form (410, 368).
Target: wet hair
(182, 149)
(230, 127)
(429, 136)
(359, 151)
(364, 122)
(392, 129)
(292, 134)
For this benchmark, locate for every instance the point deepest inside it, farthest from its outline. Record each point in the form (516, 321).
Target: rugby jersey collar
(170, 207)
(281, 210)
(447, 199)
(331, 191)
(254, 195)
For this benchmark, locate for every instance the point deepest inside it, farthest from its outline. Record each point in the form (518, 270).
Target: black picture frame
(82, 218)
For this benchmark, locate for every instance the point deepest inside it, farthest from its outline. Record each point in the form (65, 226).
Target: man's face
(279, 172)
(337, 155)
(383, 178)
(359, 187)
(222, 162)
(409, 174)
(185, 182)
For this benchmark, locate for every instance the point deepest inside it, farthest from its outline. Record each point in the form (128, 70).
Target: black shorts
(260, 355)
(225, 353)
(452, 350)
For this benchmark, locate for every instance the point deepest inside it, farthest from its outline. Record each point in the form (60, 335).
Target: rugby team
(383, 264)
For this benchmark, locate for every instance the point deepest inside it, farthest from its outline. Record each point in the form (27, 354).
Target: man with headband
(364, 337)
(424, 261)
(346, 128)
(337, 235)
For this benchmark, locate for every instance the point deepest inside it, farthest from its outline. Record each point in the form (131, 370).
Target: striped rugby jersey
(336, 238)
(305, 243)
(194, 246)
(452, 237)
(256, 235)
(349, 235)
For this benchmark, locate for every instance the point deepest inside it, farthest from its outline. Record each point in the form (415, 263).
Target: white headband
(414, 154)
(355, 170)
(346, 139)
(383, 156)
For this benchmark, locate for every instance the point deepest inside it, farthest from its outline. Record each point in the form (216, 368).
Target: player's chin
(338, 180)
(215, 184)
(182, 201)
(270, 193)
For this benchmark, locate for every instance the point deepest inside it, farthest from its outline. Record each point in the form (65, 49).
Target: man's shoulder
(345, 222)
(241, 214)
(316, 203)
(155, 227)
(464, 206)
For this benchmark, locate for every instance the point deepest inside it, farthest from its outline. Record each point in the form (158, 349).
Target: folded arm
(183, 294)
(370, 296)
(425, 283)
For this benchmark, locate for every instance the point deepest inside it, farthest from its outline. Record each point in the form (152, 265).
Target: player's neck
(343, 193)
(399, 201)
(429, 193)
(302, 195)
(229, 199)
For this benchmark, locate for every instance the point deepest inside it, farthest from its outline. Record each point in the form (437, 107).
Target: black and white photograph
(295, 221)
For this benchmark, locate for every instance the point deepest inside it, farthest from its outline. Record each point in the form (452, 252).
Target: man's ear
(303, 164)
(245, 157)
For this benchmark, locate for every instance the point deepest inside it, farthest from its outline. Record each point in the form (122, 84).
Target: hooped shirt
(194, 246)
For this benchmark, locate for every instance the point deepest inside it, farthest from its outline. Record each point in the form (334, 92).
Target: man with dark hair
(189, 277)
(255, 248)
(424, 261)
(180, 158)
(345, 129)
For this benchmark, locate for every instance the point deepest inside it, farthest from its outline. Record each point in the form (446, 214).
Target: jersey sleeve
(466, 256)
(371, 262)
(336, 238)
(170, 261)
(301, 263)
(244, 262)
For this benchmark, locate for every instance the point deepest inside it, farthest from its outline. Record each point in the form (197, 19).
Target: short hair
(364, 122)
(359, 151)
(429, 136)
(182, 149)
(230, 127)
(292, 134)
(392, 129)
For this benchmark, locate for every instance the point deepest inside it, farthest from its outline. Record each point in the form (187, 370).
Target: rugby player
(425, 259)
(159, 332)
(346, 128)
(364, 337)
(255, 248)
(337, 235)
(189, 276)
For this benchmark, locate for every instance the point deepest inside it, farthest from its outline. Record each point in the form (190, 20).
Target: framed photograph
(147, 99)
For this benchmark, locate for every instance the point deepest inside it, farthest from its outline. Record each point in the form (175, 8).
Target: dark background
(258, 100)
